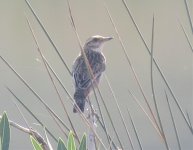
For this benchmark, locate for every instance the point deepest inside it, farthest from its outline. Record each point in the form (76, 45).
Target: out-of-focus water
(171, 51)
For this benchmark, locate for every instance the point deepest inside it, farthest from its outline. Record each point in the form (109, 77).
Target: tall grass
(111, 137)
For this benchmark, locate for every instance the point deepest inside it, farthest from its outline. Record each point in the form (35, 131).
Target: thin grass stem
(187, 39)
(153, 89)
(120, 113)
(52, 81)
(48, 36)
(91, 73)
(157, 66)
(36, 95)
(188, 14)
(188, 116)
(71, 98)
(135, 131)
(131, 66)
(47, 107)
(143, 109)
(33, 115)
(173, 122)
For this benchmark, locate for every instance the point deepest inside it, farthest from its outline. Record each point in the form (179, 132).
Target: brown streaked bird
(83, 83)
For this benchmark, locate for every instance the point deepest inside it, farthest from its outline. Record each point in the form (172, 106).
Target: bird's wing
(82, 76)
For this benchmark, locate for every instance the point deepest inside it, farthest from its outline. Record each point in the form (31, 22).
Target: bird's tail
(80, 101)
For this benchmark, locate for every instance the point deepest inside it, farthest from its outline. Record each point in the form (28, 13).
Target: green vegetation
(5, 138)
(4, 132)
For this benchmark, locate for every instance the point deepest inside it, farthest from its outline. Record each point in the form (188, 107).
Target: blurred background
(171, 51)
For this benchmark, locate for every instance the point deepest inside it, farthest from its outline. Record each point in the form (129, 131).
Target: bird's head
(96, 42)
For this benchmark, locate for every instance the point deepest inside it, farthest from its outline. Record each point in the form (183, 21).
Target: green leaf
(61, 145)
(48, 141)
(71, 142)
(35, 144)
(83, 143)
(4, 132)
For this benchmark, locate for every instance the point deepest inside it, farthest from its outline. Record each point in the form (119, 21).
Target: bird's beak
(107, 38)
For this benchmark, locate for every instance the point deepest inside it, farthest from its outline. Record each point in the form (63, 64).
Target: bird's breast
(95, 56)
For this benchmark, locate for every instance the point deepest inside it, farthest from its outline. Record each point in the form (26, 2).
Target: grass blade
(120, 113)
(83, 143)
(153, 90)
(36, 95)
(48, 36)
(158, 68)
(151, 121)
(187, 39)
(52, 81)
(173, 122)
(61, 145)
(132, 68)
(35, 144)
(48, 141)
(133, 125)
(90, 74)
(189, 119)
(4, 132)
(31, 113)
(71, 143)
(188, 14)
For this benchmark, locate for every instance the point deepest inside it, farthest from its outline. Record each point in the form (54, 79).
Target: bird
(84, 81)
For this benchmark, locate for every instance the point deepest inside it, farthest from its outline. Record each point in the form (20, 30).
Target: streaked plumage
(96, 59)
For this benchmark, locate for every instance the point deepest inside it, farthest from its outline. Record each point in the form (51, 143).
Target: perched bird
(83, 80)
